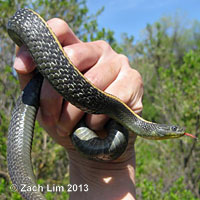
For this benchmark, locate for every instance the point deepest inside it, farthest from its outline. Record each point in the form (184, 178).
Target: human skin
(109, 71)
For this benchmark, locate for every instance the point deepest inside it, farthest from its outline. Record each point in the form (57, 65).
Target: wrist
(105, 180)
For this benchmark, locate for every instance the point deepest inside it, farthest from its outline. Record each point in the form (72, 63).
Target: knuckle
(138, 107)
(122, 58)
(103, 45)
(93, 78)
(71, 53)
(125, 97)
(58, 22)
(123, 61)
(137, 76)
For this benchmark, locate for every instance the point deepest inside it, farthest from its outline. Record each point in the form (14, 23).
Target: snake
(28, 28)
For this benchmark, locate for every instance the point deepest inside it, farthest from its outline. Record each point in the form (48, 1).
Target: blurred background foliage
(168, 58)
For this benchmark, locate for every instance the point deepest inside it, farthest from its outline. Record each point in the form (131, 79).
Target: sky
(131, 16)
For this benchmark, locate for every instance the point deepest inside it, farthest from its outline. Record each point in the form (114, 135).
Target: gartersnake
(28, 28)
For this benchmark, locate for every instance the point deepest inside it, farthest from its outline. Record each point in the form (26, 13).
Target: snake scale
(27, 28)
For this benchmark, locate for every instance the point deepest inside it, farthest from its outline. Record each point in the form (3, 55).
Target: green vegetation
(168, 57)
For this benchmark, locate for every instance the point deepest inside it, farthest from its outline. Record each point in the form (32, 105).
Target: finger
(69, 117)
(50, 104)
(23, 63)
(130, 92)
(23, 59)
(83, 55)
(63, 32)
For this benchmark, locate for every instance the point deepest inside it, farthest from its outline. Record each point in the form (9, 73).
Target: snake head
(169, 131)
(163, 131)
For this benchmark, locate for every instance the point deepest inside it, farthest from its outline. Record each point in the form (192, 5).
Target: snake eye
(174, 128)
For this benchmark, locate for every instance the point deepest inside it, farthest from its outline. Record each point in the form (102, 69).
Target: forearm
(107, 181)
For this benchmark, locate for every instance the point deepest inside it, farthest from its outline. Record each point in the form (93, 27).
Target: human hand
(107, 70)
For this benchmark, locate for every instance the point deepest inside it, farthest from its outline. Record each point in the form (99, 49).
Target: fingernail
(23, 62)
(19, 64)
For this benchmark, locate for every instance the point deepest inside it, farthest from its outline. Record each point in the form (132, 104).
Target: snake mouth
(163, 137)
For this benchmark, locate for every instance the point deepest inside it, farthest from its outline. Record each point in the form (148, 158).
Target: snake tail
(20, 136)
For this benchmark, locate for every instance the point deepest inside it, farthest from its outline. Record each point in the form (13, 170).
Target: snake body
(28, 28)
